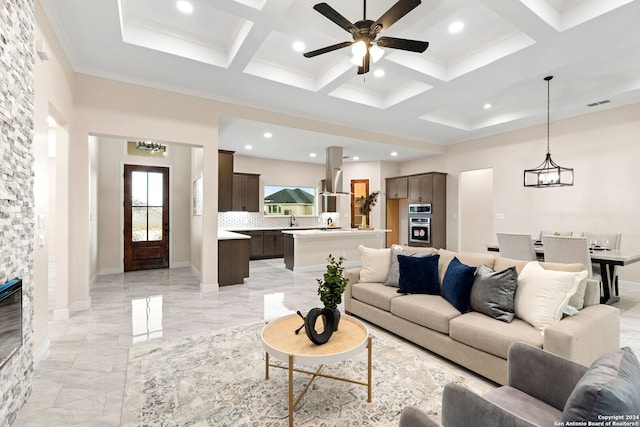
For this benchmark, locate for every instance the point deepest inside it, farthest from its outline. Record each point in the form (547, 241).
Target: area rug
(219, 380)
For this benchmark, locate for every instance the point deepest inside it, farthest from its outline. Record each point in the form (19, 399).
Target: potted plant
(332, 285)
(367, 203)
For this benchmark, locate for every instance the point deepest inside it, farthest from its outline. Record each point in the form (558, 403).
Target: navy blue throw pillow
(419, 274)
(456, 284)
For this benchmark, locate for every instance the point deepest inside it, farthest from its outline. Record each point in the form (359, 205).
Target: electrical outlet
(499, 216)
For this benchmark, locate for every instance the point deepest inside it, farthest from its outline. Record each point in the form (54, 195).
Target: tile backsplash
(251, 220)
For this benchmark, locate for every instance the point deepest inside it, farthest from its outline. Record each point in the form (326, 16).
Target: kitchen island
(307, 250)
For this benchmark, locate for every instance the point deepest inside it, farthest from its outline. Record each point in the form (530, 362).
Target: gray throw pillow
(393, 278)
(493, 292)
(610, 387)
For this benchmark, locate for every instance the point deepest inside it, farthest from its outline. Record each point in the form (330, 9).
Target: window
(289, 200)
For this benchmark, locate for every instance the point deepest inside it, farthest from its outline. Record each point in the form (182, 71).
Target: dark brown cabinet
(421, 188)
(273, 244)
(233, 261)
(265, 243)
(225, 180)
(397, 187)
(246, 192)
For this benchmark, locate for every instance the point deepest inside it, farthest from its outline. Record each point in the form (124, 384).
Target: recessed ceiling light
(184, 6)
(268, 135)
(356, 158)
(486, 106)
(248, 147)
(456, 27)
(298, 46)
(394, 153)
(312, 154)
(379, 72)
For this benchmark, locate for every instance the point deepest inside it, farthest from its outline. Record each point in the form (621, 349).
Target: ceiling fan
(365, 45)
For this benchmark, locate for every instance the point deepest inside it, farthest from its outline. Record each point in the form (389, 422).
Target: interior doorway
(476, 210)
(359, 188)
(146, 217)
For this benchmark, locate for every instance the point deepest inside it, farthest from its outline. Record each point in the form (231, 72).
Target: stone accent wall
(16, 188)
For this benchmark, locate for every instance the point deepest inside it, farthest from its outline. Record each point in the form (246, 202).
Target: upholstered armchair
(543, 389)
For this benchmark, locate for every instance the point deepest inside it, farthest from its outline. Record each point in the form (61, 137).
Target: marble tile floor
(81, 383)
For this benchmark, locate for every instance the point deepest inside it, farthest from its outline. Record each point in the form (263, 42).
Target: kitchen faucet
(292, 221)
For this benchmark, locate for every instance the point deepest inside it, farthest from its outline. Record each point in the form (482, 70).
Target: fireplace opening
(10, 319)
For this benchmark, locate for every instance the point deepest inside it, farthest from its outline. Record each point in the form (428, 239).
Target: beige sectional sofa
(475, 340)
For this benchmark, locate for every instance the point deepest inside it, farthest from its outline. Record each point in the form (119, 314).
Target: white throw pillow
(375, 264)
(542, 295)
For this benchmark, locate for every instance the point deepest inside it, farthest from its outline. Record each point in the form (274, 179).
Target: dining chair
(613, 241)
(568, 249)
(516, 246)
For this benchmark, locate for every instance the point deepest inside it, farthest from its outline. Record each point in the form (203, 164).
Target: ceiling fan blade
(397, 11)
(403, 44)
(326, 49)
(334, 16)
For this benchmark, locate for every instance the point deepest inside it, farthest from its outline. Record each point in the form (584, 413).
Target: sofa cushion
(430, 311)
(419, 274)
(611, 386)
(375, 294)
(493, 292)
(393, 278)
(542, 295)
(375, 264)
(467, 258)
(456, 285)
(490, 335)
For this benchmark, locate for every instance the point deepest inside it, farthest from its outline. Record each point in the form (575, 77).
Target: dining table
(606, 258)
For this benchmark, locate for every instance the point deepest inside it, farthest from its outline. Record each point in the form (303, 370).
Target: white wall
(476, 210)
(601, 147)
(112, 157)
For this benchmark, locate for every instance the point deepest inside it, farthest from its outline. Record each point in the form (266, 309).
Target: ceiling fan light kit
(548, 173)
(365, 46)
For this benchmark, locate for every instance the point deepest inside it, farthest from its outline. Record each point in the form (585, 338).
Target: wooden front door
(146, 217)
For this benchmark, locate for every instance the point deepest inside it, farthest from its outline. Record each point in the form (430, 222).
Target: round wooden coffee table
(280, 340)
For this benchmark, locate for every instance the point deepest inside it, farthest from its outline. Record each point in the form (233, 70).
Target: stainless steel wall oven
(420, 224)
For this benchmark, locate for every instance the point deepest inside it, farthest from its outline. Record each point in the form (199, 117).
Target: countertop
(341, 232)
(230, 235)
(299, 228)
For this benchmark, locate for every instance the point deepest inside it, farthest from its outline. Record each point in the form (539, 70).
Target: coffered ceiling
(241, 51)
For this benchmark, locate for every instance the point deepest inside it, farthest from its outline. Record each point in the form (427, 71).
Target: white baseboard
(80, 306)
(42, 352)
(112, 270)
(181, 264)
(214, 287)
(61, 314)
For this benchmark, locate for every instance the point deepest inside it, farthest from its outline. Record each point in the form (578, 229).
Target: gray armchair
(541, 385)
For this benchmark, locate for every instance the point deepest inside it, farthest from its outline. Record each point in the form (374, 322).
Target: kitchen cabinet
(265, 243)
(397, 187)
(225, 180)
(420, 188)
(273, 244)
(233, 261)
(256, 242)
(246, 192)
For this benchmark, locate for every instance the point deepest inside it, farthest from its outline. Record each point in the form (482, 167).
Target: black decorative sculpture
(329, 320)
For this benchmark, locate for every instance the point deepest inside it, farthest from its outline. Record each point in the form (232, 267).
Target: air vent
(598, 103)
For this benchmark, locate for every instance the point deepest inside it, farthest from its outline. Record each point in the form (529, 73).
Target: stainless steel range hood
(333, 184)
